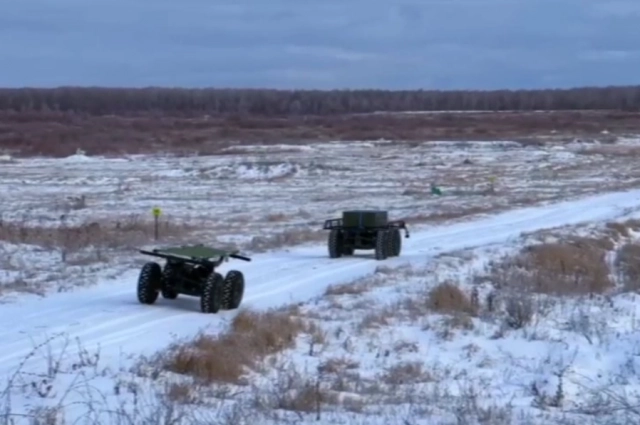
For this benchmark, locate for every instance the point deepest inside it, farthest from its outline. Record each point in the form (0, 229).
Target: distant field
(59, 134)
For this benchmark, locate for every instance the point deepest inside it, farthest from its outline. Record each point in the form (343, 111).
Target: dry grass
(226, 358)
(127, 232)
(404, 373)
(276, 217)
(181, 393)
(381, 277)
(46, 415)
(617, 230)
(449, 298)
(575, 266)
(338, 365)
(60, 134)
(377, 318)
(627, 263)
(357, 287)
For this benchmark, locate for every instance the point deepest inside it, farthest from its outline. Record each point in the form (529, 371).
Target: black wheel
(211, 299)
(390, 243)
(149, 283)
(168, 275)
(382, 245)
(396, 239)
(233, 290)
(335, 243)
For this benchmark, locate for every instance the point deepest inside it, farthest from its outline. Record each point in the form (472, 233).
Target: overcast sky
(393, 44)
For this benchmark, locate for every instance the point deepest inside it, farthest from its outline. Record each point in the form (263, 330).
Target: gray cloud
(328, 44)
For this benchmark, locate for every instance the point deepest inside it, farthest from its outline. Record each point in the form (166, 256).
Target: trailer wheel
(149, 282)
(233, 290)
(390, 250)
(211, 299)
(168, 276)
(335, 243)
(396, 239)
(382, 245)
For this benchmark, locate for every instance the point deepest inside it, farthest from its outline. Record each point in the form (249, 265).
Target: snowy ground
(439, 361)
(222, 198)
(383, 358)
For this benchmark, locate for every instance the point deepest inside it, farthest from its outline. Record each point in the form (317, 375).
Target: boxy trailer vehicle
(365, 229)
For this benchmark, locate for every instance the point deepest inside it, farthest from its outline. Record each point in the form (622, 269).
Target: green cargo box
(364, 218)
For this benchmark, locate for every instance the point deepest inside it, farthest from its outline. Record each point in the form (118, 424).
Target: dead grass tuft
(459, 321)
(268, 333)
(376, 319)
(576, 266)
(357, 287)
(181, 393)
(225, 358)
(449, 298)
(294, 390)
(617, 230)
(276, 217)
(633, 224)
(520, 311)
(409, 372)
(46, 415)
(337, 365)
(627, 263)
(354, 288)
(305, 398)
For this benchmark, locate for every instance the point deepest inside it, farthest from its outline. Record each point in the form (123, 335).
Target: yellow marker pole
(156, 215)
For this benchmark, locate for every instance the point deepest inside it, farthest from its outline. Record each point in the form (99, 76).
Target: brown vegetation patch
(575, 266)
(632, 224)
(447, 297)
(181, 393)
(359, 286)
(628, 266)
(377, 318)
(128, 232)
(405, 373)
(617, 230)
(59, 134)
(225, 358)
(337, 365)
(294, 390)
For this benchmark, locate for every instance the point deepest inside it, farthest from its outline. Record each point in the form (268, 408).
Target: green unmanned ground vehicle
(365, 229)
(190, 270)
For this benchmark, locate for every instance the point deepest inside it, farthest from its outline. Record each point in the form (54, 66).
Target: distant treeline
(265, 102)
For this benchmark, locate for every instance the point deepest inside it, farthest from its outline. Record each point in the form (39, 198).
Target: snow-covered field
(266, 197)
(374, 351)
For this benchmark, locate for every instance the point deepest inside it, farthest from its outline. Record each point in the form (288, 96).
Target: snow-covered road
(109, 316)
